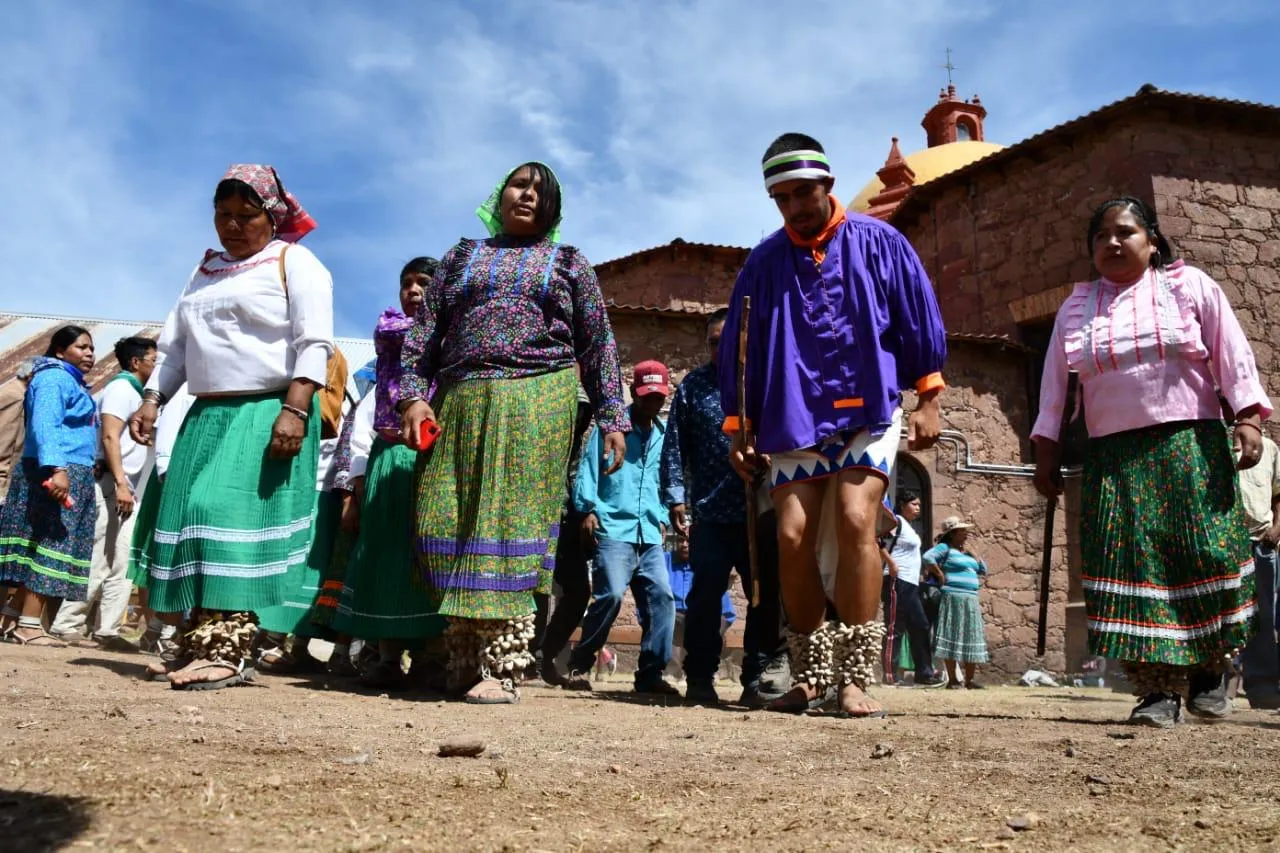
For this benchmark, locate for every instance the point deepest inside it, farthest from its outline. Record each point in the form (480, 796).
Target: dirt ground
(95, 759)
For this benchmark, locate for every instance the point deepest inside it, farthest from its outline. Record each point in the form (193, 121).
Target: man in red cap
(625, 518)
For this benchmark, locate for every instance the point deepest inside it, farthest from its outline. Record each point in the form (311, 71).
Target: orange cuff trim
(732, 424)
(849, 403)
(932, 382)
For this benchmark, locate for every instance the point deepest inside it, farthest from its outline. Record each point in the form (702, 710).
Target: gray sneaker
(776, 678)
(75, 639)
(116, 643)
(1159, 710)
(1207, 695)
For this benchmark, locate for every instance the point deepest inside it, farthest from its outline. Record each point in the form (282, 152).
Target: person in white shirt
(251, 335)
(121, 470)
(904, 614)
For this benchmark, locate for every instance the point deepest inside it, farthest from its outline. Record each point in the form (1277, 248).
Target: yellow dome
(929, 164)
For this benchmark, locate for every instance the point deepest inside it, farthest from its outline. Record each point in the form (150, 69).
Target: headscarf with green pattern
(490, 212)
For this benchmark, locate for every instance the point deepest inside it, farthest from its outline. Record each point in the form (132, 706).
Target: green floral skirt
(1167, 563)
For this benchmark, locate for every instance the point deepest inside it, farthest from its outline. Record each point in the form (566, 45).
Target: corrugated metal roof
(26, 335)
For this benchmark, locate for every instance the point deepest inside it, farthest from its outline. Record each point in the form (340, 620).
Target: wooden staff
(1068, 410)
(745, 441)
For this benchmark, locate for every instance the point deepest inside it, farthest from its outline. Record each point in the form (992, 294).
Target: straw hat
(952, 523)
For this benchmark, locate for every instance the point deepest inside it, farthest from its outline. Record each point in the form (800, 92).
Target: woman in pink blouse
(1167, 568)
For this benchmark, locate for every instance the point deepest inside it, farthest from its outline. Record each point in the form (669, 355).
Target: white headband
(805, 165)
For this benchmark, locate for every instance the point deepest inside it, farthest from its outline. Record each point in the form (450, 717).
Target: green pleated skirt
(1166, 558)
(382, 598)
(233, 527)
(294, 615)
(144, 529)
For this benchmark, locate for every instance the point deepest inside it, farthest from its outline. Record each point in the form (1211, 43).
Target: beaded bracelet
(295, 411)
(1249, 424)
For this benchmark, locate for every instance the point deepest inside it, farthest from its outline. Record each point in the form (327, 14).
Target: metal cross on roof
(950, 67)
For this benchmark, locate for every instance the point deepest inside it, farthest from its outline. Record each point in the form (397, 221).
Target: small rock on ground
(882, 750)
(464, 746)
(1023, 822)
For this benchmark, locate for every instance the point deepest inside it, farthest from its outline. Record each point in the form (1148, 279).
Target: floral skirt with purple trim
(490, 491)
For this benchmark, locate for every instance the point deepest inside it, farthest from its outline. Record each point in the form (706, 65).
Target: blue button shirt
(62, 419)
(626, 501)
(695, 454)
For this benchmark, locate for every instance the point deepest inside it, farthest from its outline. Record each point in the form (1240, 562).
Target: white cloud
(392, 121)
(87, 222)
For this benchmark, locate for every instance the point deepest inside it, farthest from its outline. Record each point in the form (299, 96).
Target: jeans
(715, 550)
(643, 568)
(573, 577)
(108, 571)
(1260, 659)
(911, 621)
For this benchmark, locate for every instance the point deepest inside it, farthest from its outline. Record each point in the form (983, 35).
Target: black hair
(905, 497)
(427, 266)
(235, 188)
(717, 316)
(63, 338)
(791, 142)
(127, 349)
(547, 213)
(1146, 216)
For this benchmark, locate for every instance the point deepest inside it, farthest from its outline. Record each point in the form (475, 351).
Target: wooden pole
(1046, 564)
(745, 440)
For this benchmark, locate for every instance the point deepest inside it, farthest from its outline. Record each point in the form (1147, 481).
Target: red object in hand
(427, 435)
(48, 487)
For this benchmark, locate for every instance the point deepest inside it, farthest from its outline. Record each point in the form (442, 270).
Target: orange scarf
(818, 243)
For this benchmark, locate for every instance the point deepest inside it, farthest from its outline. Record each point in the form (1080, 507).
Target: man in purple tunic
(843, 320)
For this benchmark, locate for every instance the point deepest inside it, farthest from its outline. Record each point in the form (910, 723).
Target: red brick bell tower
(953, 119)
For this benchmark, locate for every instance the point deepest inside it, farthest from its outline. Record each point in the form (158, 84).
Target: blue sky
(392, 120)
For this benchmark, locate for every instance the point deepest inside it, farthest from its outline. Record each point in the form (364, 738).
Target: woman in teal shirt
(961, 636)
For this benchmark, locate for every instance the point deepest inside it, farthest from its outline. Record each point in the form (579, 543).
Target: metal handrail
(956, 439)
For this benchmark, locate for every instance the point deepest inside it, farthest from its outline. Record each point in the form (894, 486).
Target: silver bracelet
(294, 410)
(154, 396)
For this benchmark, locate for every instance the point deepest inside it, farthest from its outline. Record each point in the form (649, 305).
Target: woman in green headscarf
(499, 334)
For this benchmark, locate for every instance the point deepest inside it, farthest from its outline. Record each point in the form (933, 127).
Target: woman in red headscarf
(251, 336)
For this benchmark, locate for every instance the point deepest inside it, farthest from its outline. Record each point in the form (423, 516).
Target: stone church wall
(1003, 249)
(986, 401)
